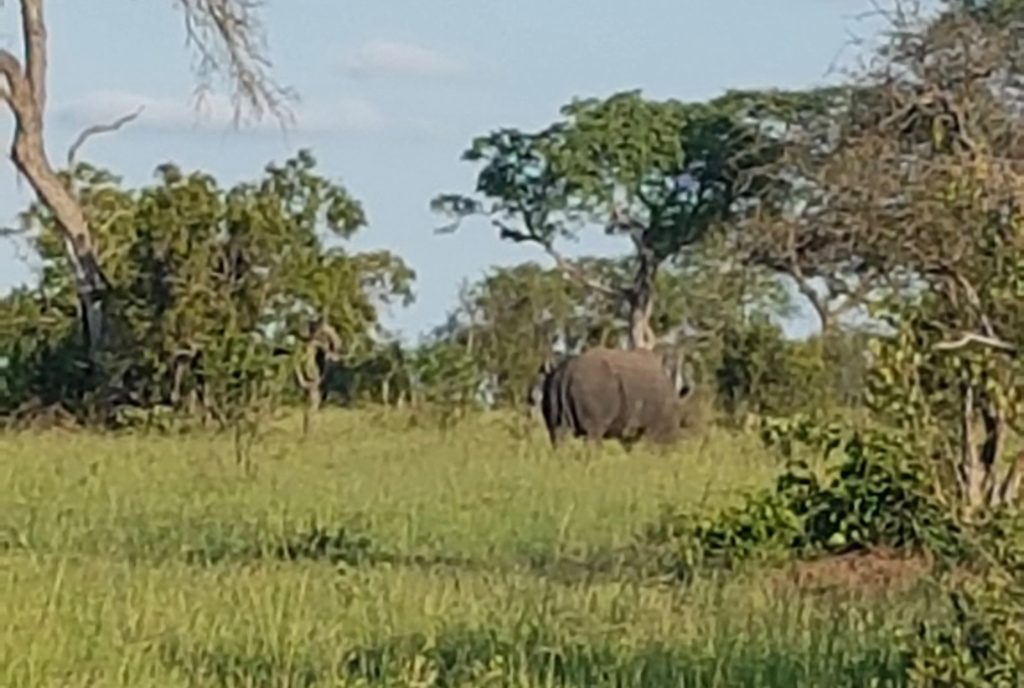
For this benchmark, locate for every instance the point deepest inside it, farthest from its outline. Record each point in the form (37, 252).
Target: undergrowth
(878, 494)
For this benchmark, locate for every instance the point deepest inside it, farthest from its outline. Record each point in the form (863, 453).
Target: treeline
(230, 297)
(895, 197)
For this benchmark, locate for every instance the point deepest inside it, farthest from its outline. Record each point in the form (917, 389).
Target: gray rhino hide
(610, 393)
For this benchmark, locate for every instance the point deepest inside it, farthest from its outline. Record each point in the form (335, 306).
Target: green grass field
(474, 558)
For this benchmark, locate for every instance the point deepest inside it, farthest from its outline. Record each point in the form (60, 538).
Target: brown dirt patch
(869, 571)
(34, 415)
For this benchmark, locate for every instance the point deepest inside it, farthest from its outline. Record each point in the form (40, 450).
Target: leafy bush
(448, 381)
(878, 494)
(981, 645)
(762, 372)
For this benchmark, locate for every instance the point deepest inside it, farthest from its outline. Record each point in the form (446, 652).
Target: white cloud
(395, 58)
(216, 112)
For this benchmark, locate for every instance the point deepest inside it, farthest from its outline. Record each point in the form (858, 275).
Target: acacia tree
(793, 230)
(663, 174)
(229, 40)
(788, 231)
(927, 185)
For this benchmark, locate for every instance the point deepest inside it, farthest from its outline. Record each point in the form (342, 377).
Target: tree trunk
(978, 471)
(641, 302)
(970, 472)
(817, 303)
(26, 97)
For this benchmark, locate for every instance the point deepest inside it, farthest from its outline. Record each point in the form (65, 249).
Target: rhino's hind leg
(629, 442)
(556, 434)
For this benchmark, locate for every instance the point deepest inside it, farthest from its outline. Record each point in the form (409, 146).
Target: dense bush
(219, 296)
(876, 494)
(761, 372)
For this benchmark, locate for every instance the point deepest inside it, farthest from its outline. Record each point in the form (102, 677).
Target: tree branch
(228, 38)
(983, 340)
(10, 68)
(8, 232)
(1010, 489)
(99, 129)
(33, 29)
(564, 264)
(854, 297)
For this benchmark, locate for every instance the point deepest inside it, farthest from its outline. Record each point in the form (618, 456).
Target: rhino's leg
(629, 443)
(556, 434)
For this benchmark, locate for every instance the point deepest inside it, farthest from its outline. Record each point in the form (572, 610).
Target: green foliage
(982, 646)
(383, 375)
(447, 380)
(762, 373)
(981, 643)
(217, 293)
(994, 12)
(663, 173)
(877, 495)
(514, 317)
(38, 353)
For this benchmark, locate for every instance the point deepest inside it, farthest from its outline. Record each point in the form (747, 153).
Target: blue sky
(393, 90)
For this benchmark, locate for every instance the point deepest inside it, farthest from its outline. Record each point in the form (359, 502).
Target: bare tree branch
(1009, 491)
(34, 35)
(10, 68)
(564, 264)
(29, 156)
(982, 340)
(97, 129)
(229, 39)
(7, 232)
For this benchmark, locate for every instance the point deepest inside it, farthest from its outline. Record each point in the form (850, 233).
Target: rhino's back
(591, 390)
(639, 372)
(627, 391)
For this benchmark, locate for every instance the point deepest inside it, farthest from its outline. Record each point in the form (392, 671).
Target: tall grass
(157, 561)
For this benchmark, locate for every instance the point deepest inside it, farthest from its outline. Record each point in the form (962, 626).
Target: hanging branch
(97, 129)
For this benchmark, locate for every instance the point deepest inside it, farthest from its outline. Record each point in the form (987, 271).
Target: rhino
(605, 393)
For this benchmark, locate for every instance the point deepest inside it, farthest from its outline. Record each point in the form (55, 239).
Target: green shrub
(981, 645)
(878, 494)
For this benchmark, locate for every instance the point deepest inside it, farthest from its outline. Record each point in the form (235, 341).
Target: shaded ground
(870, 572)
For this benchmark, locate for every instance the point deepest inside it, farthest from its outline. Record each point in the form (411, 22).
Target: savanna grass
(371, 553)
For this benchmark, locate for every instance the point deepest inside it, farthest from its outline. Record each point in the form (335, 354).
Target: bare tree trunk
(177, 381)
(25, 95)
(641, 302)
(1009, 491)
(978, 470)
(991, 449)
(970, 472)
(308, 377)
(817, 303)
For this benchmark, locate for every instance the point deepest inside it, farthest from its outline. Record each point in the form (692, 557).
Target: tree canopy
(663, 174)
